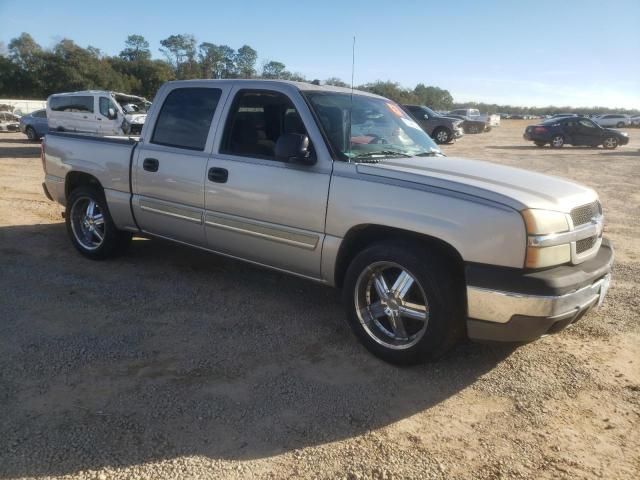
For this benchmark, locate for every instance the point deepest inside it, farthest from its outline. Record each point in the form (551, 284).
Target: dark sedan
(470, 125)
(574, 131)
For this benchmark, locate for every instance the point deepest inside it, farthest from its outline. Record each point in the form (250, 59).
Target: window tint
(256, 121)
(40, 114)
(105, 104)
(185, 118)
(72, 103)
(586, 123)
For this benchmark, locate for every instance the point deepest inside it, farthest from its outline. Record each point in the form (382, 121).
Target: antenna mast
(353, 69)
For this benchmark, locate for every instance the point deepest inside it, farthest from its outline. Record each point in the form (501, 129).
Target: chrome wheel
(610, 142)
(87, 223)
(391, 305)
(557, 141)
(442, 136)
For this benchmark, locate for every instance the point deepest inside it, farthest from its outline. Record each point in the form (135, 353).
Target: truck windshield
(368, 127)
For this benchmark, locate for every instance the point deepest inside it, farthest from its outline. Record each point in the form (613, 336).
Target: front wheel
(442, 135)
(610, 143)
(31, 134)
(620, 124)
(404, 304)
(90, 226)
(557, 141)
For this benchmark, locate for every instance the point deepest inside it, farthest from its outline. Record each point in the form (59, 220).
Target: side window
(586, 123)
(185, 118)
(40, 114)
(256, 120)
(105, 104)
(72, 103)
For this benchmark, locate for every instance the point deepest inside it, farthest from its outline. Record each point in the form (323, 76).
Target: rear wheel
(442, 135)
(31, 134)
(540, 144)
(557, 141)
(90, 226)
(610, 143)
(404, 304)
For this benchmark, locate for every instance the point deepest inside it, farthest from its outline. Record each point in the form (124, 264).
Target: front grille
(585, 244)
(584, 214)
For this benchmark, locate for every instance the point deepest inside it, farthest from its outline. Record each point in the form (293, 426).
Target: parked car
(466, 112)
(9, 122)
(34, 125)
(95, 111)
(441, 129)
(635, 121)
(618, 120)
(469, 125)
(426, 248)
(574, 131)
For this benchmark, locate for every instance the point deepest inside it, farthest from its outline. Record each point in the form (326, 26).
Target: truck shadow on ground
(19, 148)
(169, 351)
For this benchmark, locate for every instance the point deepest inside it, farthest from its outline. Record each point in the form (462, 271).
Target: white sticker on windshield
(410, 123)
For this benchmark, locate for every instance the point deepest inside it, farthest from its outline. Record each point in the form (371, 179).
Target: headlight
(545, 222)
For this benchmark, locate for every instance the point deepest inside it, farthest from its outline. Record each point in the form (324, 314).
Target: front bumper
(623, 140)
(511, 305)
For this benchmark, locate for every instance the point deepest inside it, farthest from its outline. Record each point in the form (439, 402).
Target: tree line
(27, 70)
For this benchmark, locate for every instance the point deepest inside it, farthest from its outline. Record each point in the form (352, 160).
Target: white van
(100, 112)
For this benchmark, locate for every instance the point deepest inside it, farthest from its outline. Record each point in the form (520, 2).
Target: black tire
(620, 125)
(540, 144)
(610, 143)
(442, 135)
(434, 278)
(31, 134)
(114, 241)
(557, 141)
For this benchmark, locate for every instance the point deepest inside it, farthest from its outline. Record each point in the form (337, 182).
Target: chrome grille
(585, 244)
(584, 214)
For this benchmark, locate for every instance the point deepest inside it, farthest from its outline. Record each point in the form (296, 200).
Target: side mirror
(294, 148)
(426, 117)
(112, 114)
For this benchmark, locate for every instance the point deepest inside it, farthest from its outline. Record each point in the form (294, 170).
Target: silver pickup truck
(343, 188)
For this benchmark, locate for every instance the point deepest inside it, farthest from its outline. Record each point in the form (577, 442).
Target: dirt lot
(172, 363)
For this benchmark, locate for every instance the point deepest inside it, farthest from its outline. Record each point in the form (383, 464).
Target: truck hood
(514, 187)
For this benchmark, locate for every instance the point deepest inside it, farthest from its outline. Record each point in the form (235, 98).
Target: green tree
(136, 49)
(273, 70)
(336, 82)
(433, 97)
(180, 51)
(391, 90)
(245, 61)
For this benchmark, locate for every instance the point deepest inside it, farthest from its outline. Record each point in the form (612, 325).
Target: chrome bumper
(499, 307)
(498, 316)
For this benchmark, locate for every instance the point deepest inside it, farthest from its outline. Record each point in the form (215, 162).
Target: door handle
(150, 164)
(219, 175)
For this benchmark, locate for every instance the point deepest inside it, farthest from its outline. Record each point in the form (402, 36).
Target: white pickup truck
(343, 188)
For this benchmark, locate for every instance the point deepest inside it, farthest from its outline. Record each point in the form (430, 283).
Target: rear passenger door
(259, 208)
(170, 164)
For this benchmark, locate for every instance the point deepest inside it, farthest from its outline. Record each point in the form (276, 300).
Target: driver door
(107, 125)
(587, 133)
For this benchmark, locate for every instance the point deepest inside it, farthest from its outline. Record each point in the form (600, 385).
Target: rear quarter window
(185, 118)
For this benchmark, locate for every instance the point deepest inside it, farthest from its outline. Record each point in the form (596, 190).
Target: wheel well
(360, 237)
(77, 179)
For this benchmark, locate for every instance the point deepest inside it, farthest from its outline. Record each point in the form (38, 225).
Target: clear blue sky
(538, 52)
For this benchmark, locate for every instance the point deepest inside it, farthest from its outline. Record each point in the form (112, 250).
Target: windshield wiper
(381, 154)
(430, 153)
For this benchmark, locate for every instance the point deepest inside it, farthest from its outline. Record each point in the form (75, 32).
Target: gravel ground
(172, 363)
